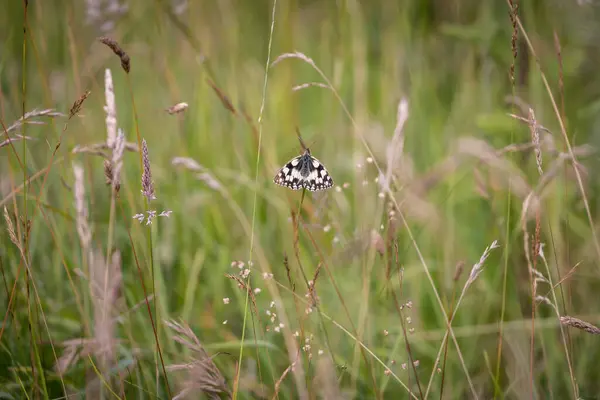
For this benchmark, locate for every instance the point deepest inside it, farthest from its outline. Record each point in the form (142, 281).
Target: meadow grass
(147, 253)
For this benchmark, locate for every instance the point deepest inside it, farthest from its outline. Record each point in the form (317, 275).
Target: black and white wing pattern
(304, 171)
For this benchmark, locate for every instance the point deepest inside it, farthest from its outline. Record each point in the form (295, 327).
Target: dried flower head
(114, 46)
(147, 184)
(177, 108)
(78, 103)
(579, 324)
(108, 172)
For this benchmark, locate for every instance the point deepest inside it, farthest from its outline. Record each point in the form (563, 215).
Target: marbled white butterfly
(304, 171)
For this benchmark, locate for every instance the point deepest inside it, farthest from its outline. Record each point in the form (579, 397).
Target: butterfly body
(304, 172)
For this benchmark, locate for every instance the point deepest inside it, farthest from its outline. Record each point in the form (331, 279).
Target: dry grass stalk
(27, 119)
(561, 80)
(282, 377)
(202, 373)
(544, 299)
(188, 163)
(14, 139)
(11, 228)
(117, 162)
(98, 149)
(74, 350)
(147, 183)
(579, 324)
(177, 108)
(223, 97)
(67, 358)
(513, 40)
(105, 290)
(231, 108)
(203, 175)
(210, 180)
(527, 121)
(535, 139)
(555, 169)
(475, 272)
(567, 276)
(309, 84)
(110, 109)
(297, 55)
(312, 292)
(478, 267)
(537, 237)
(77, 104)
(114, 46)
(395, 149)
(288, 272)
(83, 227)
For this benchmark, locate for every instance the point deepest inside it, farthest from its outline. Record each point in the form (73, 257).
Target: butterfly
(304, 171)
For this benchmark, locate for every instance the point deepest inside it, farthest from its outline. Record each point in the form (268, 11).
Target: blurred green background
(385, 261)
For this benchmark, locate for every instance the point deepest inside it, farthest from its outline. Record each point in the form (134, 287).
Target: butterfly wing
(318, 178)
(289, 175)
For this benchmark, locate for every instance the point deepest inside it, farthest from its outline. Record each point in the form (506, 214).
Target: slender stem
(258, 150)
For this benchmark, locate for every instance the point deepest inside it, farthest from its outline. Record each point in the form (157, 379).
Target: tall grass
(146, 252)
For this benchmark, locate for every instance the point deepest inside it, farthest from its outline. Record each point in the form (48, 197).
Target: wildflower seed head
(147, 184)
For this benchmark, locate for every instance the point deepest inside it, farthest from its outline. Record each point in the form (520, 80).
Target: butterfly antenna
(311, 144)
(300, 139)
